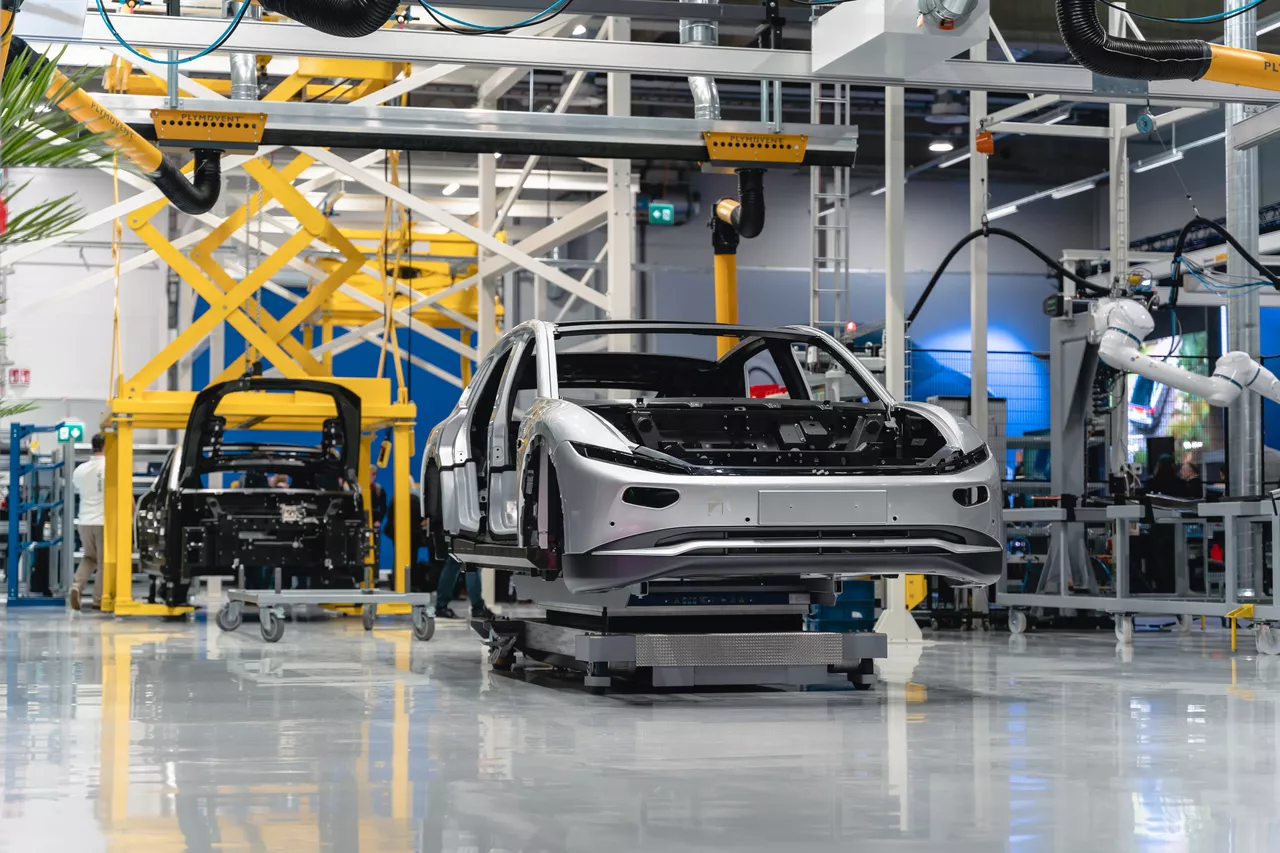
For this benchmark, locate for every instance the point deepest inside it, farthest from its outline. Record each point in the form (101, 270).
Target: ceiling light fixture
(1073, 189)
(948, 163)
(1156, 163)
(1001, 212)
(879, 191)
(451, 189)
(1057, 119)
(942, 146)
(580, 30)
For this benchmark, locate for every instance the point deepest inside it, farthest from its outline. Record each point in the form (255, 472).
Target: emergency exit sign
(70, 432)
(662, 213)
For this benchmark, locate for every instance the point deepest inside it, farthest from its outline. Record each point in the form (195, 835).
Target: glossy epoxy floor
(137, 736)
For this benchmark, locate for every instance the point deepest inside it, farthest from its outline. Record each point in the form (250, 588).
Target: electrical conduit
(1182, 59)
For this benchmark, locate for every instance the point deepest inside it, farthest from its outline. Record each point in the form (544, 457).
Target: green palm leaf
(35, 134)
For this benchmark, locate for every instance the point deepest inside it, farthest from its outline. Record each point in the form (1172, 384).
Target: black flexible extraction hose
(750, 222)
(1091, 45)
(1083, 284)
(201, 193)
(347, 18)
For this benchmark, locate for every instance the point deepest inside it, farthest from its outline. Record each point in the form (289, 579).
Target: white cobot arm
(1121, 325)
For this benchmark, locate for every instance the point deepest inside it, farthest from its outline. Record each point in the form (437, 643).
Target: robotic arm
(1121, 325)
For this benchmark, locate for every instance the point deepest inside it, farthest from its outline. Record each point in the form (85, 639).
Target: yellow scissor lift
(271, 339)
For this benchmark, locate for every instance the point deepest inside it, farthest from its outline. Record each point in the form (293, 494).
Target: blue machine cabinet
(26, 503)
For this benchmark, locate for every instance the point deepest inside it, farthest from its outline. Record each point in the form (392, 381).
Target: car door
(149, 520)
(462, 481)
(503, 495)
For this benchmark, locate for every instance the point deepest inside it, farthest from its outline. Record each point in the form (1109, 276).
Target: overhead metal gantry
(672, 60)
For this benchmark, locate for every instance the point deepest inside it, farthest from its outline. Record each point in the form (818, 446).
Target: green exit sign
(662, 213)
(70, 432)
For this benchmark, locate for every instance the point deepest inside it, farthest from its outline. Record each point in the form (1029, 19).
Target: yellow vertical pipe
(726, 297)
(108, 567)
(326, 336)
(6, 32)
(403, 452)
(120, 513)
(366, 445)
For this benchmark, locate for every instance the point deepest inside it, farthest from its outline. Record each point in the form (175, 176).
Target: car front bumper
(733, 526)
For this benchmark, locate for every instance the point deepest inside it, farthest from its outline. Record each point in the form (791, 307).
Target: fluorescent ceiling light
(1057, 119)
(879, 191)
(1074, 189)
(1274, 25)
(954, 160)
(497, 155)
(1001, 212)
(580, 30)
(1163, 160)
(451, 189)
(942, 146)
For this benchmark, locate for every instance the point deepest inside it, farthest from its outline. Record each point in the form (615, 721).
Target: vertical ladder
(829, 212)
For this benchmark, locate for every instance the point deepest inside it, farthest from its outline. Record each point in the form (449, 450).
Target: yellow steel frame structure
(359, 77)
(133, 406)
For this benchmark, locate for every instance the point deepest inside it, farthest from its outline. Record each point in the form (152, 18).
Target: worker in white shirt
(90, 482)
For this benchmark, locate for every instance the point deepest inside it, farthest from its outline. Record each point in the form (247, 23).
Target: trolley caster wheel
(1124, 629)
(1268, 640)
(424, 624)
(986, 624)
(502, 662)
(272, 626)
(229, 618)
(934, 624)
(1185, 623)
(1017, 622)
(368, 615)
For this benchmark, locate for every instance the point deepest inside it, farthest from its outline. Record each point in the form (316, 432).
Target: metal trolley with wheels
(271, 604)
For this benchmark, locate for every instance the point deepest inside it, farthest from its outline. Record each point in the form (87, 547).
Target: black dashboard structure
(292, 507)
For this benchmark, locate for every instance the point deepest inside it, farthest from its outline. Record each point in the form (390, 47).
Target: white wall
(66, 342)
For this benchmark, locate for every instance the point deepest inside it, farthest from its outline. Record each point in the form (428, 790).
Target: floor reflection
(137, 736)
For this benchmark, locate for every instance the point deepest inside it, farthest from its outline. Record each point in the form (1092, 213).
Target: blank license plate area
(794, 507)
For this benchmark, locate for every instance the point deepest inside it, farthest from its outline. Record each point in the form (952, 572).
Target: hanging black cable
(1201, 222)
(1083, 284)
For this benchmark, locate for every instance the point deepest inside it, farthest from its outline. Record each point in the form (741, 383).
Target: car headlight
(652, 464)
(964, 461)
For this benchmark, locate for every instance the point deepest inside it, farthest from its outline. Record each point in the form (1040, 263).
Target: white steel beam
(620, 281)
(586, 218)
(1256, 129)
(978, 308)
(1072, 131)
(486, 311)
(1032, 105)
(650, 58)
(476, 235)
(504, 79)
(1167, 119)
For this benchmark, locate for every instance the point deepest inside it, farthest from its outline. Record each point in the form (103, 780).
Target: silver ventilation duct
(706, 97)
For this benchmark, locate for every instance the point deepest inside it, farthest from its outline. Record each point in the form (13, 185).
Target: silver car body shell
(596, 519)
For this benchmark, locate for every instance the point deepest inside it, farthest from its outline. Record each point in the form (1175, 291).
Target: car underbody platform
(682, 635)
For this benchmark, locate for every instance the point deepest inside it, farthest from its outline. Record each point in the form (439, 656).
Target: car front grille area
(842, 541)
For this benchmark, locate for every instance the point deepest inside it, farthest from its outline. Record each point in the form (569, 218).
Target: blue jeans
(449, 580)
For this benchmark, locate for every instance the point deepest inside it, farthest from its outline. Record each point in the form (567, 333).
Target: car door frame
(502, 462)
(460, 482)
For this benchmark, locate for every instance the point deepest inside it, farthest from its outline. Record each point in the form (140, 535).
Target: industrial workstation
(639, 425)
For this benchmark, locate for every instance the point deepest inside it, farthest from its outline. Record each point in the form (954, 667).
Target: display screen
(1157, 411)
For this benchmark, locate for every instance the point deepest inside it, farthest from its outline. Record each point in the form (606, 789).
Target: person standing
(90, 481)
(449, 582)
